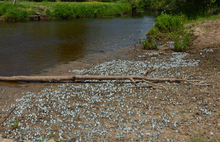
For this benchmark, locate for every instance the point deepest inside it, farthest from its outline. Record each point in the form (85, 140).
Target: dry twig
(156, 85)
(149, 71)
(8, 115)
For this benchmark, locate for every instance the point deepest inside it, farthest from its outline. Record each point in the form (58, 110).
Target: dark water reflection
(29, 47)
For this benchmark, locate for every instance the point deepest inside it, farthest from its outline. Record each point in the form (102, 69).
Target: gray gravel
(105, 111)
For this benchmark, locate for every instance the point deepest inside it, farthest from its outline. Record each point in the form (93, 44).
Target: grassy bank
(166, 28)
(170, 27)
(62, 10)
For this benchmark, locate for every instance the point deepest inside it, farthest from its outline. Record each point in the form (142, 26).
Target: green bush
(4, 8)
(31, 12)
(167, 23)
(153, 32)
(149, 44)
(154, 4)
(182, 45)
(15, 14)
(62, 11)
(81, 10)
(48, 12)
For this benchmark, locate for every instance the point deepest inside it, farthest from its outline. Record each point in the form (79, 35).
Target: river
(27, 48)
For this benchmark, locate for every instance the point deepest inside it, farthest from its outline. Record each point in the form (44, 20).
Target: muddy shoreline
(10, 91)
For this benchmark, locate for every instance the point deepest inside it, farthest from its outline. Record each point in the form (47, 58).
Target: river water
(29, 47)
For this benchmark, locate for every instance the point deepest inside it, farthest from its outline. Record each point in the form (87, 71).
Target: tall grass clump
(182, 45)
(16, 12)
(165, 27)
(168, 23)
(82, 10)
(62, 11)
(169, 27)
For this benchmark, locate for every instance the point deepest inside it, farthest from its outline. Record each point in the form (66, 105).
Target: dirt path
(207, 50)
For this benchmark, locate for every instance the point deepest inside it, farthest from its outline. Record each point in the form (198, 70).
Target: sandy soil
(207, 37)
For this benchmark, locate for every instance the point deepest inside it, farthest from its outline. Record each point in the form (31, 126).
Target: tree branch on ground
(74, 78)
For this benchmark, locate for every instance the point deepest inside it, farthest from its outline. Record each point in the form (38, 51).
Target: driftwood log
(134, 79)
(89, 77)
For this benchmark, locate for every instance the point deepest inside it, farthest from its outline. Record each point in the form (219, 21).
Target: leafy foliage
(149, 44)
(194, 8)
(61, 10)
(167, 23)
(70, 10)
(154, 4)
(11, 12)
(182, 45)
(168, 27)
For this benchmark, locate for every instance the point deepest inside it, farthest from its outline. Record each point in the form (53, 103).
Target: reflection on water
(29, 47)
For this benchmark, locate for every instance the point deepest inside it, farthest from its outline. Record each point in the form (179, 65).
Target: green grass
(202, 139)
(168, 23)
(62, 10)
(182, 45)
(168, 27)
(203, 19)
(10, 12)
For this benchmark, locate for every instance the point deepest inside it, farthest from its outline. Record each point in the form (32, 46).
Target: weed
(58, 140)
(167, 23)
(182, 45)
(62, 10)
(149, 44)
(15, 123)
(202, 139)
(8, 11)
(218, 65)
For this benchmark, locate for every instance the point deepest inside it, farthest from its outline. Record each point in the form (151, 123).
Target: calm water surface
(29, 47)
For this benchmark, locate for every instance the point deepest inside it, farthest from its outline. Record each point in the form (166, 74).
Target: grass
(203, 19)
(62, 10)
(202, 139)
(15, 123)
(15, 13)
(171, 27)
(168, 27)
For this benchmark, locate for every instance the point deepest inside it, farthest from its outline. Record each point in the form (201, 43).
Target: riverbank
(178, 29)
(117, 111)
(60, 10)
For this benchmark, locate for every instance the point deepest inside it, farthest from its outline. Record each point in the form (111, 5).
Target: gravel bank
(116, 111)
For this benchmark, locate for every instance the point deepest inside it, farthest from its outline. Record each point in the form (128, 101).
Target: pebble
(102, 105)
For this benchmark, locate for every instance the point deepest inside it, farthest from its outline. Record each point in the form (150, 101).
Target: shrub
(31, 12)
(9, 11)
(167, 23)
(149, 44)
(73, 10)
(154, 4)
(182, 45)
(16, 14)
(4, 8)
(62, 11)
(49, 13)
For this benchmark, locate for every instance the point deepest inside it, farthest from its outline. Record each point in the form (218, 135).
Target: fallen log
(89, 77)
(74, 78)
